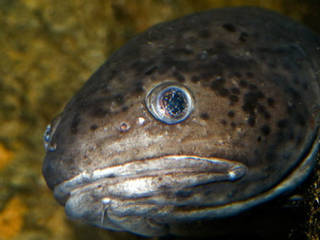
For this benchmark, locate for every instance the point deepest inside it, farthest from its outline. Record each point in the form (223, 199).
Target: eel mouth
(142, 178)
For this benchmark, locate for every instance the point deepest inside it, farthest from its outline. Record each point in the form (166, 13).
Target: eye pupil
(174, 102)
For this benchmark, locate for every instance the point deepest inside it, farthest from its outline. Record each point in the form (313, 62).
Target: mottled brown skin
(254, 76)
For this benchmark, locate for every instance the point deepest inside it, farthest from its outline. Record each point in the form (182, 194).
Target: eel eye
(50, 130)
(169, 103)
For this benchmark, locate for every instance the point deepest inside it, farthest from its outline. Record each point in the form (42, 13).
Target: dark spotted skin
(254, 76)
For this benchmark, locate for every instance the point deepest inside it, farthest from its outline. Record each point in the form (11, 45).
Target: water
(47, 52)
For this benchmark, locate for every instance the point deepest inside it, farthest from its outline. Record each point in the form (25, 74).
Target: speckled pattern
(256, 92)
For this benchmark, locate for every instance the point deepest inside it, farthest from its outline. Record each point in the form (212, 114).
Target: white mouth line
(190, 170)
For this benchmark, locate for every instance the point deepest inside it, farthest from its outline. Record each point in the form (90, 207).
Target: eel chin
(120, 197)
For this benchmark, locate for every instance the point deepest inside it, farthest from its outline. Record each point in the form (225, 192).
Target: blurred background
(48, 49)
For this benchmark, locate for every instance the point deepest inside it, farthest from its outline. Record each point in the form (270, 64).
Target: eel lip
(140, 178)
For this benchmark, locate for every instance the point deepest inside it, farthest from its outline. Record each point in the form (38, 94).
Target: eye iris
(170, 103)
(174, 103)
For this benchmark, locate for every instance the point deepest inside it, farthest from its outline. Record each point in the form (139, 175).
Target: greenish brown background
(48, 49)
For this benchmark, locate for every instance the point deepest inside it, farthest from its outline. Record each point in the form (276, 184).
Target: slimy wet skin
(198, 118)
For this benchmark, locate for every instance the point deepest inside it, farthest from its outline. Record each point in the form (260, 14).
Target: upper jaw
(141, 178)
